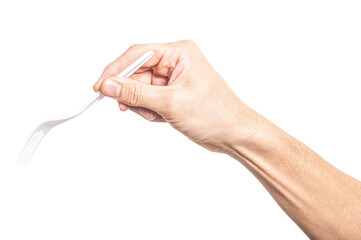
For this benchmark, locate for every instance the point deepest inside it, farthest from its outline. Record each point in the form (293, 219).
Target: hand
(179, 86)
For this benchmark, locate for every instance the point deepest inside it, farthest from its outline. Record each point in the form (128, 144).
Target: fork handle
(125, 73)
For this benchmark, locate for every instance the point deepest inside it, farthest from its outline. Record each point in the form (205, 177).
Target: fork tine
(26, 147)
(29, 149)
(42, 129)
(32, 147)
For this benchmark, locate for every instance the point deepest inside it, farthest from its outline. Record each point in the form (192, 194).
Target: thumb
(135, 93)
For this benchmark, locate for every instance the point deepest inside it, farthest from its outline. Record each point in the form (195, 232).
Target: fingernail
(111, 88)
(146, 113)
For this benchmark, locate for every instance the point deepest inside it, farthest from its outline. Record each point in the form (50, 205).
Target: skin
(178, 85)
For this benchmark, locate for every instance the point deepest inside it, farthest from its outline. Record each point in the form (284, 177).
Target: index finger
(128, 57)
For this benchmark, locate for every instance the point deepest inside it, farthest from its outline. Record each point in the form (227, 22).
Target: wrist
(252, 133)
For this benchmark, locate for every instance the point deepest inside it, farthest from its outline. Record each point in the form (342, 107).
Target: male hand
(179, 86)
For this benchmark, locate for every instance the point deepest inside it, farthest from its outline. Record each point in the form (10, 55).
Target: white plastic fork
(42, 129)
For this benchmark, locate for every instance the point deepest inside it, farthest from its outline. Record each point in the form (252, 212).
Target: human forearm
(179, 86)
(324, 202)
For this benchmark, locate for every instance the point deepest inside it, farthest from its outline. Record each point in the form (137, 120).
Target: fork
(42, 129)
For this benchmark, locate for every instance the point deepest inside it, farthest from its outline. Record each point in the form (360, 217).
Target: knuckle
(166, 65)
(189, 42)
(134, 46)
(110, 69)
(135, 94)
(187, 47)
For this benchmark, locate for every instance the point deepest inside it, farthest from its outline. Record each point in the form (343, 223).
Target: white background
(113, 175)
